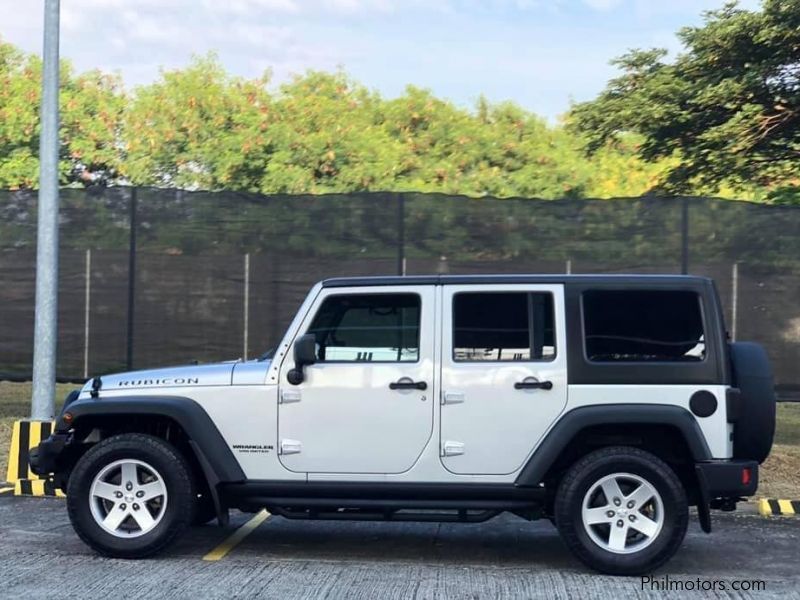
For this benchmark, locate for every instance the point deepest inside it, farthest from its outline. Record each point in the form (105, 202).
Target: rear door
(365, 406)
(504, 374)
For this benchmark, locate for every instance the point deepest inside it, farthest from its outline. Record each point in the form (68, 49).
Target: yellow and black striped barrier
(24, 436)
(770, 507)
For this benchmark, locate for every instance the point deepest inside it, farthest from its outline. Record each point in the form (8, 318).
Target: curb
(37, 487)
(771, 507)
(25, 436)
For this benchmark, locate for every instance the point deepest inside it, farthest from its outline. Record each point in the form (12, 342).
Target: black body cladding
(569, 425)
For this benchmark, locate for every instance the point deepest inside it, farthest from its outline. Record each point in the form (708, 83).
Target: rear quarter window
(643, 326)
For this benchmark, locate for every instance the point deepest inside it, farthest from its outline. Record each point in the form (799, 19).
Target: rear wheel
(130, 496)
(622, 511)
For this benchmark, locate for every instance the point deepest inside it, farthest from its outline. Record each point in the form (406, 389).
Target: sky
(542, 54)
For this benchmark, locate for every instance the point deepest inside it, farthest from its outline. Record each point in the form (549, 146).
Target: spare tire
(754, 428)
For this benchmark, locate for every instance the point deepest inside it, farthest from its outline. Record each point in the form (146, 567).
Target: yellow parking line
(7, 489)
(236, 538)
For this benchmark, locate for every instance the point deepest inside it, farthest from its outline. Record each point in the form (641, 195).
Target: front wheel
(130, 496)
(621, 511)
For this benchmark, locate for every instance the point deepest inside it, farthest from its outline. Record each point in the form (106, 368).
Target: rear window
(643, 326)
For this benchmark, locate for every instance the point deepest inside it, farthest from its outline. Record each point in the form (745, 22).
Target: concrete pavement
(41, 557)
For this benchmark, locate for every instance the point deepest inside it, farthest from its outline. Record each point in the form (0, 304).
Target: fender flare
(211, 449)
(572, 422)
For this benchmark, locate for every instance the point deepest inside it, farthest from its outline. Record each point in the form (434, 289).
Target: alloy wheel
(128, 498)
(622, 513)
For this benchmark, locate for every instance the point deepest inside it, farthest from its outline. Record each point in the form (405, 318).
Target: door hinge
(289, 396)
(450, 448)
(452, 397)
(291, 447)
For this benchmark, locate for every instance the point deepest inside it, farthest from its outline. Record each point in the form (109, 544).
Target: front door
(504, 374)
(365, 406)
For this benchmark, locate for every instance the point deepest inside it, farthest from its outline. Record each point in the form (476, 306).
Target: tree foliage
(201, 128)
(721, 118)
(91, 106)
(726, 110)
(196, 128)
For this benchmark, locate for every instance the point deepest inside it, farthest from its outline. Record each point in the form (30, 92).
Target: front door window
(368, 328)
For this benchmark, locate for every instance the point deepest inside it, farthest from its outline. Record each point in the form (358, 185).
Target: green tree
(90, 104)
(198, 128)
(201, 128)
(617, 170)
(328, 137)
(499, 150)
(725, 113)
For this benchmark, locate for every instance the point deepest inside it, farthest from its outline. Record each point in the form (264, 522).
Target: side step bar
(358, 514)
(339, 509)
(337, 503)
(382, 491)
(369, 501)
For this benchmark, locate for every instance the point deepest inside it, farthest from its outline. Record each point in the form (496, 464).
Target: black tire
(590, 469)
(754, 428)
(177, 480)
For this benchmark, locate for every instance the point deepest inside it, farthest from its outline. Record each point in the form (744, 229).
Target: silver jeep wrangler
(607, 404)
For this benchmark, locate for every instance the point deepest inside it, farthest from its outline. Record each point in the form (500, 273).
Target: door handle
(531, 384)
(408, 384)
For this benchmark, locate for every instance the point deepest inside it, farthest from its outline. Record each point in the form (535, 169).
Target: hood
(214, 374)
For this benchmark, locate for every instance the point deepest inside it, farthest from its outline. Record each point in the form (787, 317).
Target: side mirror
(305, 353)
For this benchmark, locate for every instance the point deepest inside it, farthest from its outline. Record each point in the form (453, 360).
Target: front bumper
(44, 458)
(728, 479)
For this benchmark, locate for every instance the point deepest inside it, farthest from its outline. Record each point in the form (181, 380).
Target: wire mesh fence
(153, 277)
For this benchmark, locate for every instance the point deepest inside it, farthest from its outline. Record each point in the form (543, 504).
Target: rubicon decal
(161, 381)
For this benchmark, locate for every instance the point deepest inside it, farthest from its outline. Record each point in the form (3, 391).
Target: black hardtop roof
(620, 279)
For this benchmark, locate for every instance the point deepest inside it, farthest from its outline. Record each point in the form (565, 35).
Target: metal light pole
(46, 327)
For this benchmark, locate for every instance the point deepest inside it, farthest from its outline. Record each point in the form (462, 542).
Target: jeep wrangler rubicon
(607, 404)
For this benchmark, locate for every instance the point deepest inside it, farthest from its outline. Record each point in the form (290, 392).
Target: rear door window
(503, 326)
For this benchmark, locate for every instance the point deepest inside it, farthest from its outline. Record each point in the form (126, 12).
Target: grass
(787, 431)
(780, 474)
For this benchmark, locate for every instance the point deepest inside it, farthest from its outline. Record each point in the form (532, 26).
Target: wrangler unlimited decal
(253, 448)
